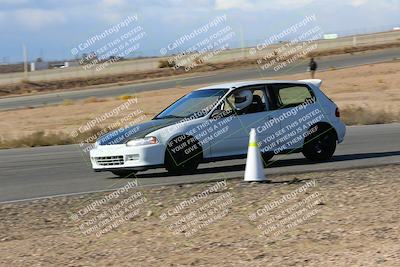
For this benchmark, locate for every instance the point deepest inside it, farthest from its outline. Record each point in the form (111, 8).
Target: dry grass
(38, 139)
(355, 115)
(41, 138)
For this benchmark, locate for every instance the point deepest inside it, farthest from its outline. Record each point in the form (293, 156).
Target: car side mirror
(217, 114)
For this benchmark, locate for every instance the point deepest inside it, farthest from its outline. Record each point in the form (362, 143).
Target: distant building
(39, 66)
(68, 64)
(330, 36)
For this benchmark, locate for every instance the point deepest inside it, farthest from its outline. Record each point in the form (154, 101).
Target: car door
(237, 124)
(296, 108)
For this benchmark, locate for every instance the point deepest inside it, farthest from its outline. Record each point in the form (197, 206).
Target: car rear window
(290, 95)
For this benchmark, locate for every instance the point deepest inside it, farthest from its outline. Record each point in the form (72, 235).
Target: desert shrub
(93, 99)
(165, 63)
(67, 102)
(125, 97)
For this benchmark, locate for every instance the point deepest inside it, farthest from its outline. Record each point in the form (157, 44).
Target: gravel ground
(338, 218)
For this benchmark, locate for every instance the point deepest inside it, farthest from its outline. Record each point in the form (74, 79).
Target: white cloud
(228, 4)
(293, 3)
(357, 3)
(113, 3)
(256, 5)
(112, 11)
(36, 19)
(111, 17)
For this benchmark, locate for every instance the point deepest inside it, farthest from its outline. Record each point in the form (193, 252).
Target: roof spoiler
(316, 82)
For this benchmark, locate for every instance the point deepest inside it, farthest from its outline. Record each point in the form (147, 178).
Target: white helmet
(243, 99)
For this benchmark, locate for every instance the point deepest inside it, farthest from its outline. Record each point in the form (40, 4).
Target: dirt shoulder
(337, 218)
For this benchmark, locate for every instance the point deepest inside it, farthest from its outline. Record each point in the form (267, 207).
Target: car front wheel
(183, 155)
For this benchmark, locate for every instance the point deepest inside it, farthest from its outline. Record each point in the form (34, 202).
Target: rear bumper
(112, 157)
(340, 130)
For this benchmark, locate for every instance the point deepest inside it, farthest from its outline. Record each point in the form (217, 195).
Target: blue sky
(52, 28)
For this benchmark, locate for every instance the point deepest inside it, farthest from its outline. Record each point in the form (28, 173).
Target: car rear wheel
(320, 145)
(183, 155)
(124, 173)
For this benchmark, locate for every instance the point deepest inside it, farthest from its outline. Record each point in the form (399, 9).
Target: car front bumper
(112, 157)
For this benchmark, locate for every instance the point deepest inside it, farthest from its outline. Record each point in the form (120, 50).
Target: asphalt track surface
(30, 173)
(339, 61)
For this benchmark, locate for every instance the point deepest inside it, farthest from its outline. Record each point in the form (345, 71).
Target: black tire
(183, 155)
(124, 173)
(321, 145)
(266, 157)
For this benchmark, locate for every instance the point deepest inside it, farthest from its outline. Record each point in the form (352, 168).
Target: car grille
(110, 161)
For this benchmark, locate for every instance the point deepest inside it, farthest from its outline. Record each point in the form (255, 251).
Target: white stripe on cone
(254, 166)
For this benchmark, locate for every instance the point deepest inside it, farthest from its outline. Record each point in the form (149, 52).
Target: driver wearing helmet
(243, 100)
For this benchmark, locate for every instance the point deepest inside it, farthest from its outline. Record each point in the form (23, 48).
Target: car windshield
(196, 104)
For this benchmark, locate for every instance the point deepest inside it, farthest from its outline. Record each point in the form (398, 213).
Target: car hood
(136, 131)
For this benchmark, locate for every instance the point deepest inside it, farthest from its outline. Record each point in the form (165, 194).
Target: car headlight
(142, 141)
(96, 144)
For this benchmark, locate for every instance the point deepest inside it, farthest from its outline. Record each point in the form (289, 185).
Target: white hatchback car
(213, 123)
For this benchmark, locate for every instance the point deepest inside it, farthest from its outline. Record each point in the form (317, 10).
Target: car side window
(227, 103)
(291, 95)
(258, 104)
